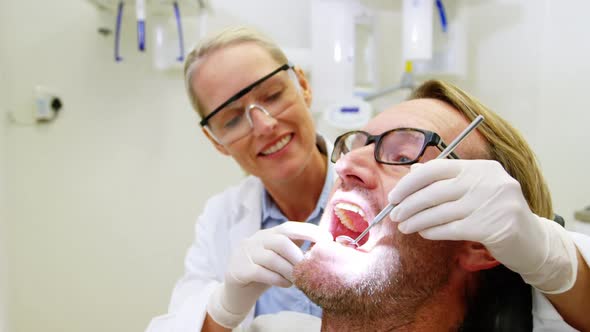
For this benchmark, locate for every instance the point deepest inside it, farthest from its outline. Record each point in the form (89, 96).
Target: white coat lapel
(248, 213)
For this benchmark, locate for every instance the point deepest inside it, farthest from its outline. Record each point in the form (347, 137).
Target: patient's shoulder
(284, 321)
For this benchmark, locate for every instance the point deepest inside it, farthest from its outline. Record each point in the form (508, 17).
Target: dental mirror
(354, 243)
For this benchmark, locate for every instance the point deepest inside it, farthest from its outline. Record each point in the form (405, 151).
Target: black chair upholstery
(502, 304)
(559, 219)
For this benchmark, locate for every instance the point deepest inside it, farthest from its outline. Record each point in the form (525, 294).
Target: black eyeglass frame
(430, 139)
(242, 92)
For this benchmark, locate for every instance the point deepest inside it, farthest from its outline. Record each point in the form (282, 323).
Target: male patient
(399, 278)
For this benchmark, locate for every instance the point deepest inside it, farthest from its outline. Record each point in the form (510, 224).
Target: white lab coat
(545, 317)
(228, 217)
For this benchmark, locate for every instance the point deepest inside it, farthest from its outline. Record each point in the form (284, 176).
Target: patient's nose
(358, 168)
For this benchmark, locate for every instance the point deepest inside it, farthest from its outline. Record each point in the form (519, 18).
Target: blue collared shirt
(277, 299)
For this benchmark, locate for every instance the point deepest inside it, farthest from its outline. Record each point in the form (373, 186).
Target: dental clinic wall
(98, 199)
(2, 222)
(2, 225)
(101, 203)
(3, 87)
(528, 60)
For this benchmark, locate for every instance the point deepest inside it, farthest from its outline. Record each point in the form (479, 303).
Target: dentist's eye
(233, 122)
(273, 97)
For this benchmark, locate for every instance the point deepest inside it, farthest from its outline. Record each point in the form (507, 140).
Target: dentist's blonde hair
(227, 37)
(504, 143)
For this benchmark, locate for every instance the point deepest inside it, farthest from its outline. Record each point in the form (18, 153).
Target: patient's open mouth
(350, 220)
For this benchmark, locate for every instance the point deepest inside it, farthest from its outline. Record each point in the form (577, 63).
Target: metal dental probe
(347, 240)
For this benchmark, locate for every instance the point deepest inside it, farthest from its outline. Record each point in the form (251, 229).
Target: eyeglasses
(401, 146)
(231, 120)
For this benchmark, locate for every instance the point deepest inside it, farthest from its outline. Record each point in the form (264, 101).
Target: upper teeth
(344, 219)
(350, 207)
(278, 145)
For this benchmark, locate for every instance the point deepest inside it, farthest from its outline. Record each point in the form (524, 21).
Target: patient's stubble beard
(396, 285)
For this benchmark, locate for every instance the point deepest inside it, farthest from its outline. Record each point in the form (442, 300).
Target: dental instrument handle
(375, 221)
(442, 155)
(179, 28)
(447, 151)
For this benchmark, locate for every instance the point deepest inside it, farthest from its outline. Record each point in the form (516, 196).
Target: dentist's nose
(358, 168)
(262, 122)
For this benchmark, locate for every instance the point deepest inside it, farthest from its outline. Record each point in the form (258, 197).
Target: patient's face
(389, 267)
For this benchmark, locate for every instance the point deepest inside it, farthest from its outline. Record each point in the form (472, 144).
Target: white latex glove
(260, 261)
(477, 200)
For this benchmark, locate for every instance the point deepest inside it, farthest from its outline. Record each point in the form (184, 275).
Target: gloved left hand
(264, 259)
(477, 200)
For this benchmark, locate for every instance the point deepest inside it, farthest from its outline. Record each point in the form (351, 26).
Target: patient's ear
(474, 256)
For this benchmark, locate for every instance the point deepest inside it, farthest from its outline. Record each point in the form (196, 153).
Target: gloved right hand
(477, 200)
(265, 259)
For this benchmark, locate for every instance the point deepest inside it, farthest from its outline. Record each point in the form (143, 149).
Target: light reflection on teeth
(344, 219)
(351, 207)
(278, 145)
(339, 210)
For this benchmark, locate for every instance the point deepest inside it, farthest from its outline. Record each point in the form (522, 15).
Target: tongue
(358, 223)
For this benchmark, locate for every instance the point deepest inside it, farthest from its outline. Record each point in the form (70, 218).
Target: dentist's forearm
(573, 304)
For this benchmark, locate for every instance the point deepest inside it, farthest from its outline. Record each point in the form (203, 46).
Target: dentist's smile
(277, 145)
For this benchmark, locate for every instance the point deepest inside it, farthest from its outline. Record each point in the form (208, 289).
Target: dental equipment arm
(263, 260)
(406, 82)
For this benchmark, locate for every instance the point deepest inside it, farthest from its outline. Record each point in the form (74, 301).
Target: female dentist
(254, 107)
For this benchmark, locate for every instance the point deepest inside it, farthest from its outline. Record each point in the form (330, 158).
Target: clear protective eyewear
(400, 146)
(272, 94)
